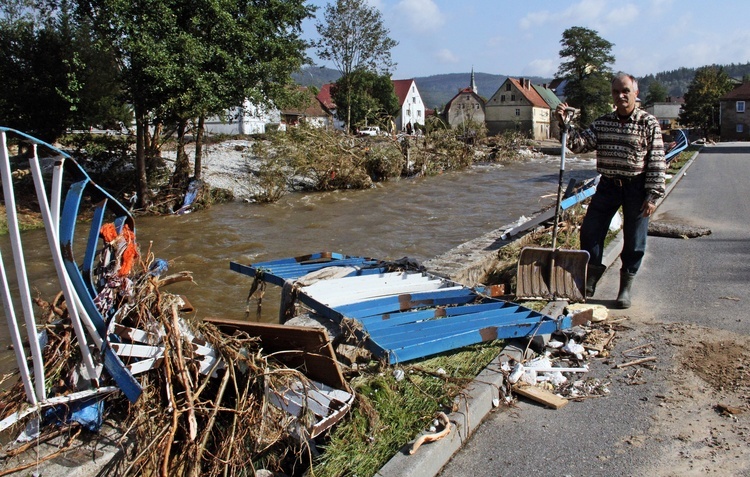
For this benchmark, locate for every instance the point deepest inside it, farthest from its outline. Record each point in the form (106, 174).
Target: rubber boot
(593, 274)
(623, 297)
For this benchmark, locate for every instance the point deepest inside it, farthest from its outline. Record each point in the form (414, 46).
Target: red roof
(402, 89)
(534, 98)
(324, 96)
(741, 92)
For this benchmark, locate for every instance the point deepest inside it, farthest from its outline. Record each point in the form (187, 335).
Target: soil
(704, 418)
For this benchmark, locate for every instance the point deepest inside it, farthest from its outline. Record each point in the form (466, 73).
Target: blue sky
(522, 37)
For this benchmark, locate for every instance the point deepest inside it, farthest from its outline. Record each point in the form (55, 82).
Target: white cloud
(446, 56)
(541, 67)
(420, 15)
(593, 14)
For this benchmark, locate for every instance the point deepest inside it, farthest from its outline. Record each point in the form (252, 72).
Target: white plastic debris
(398, 374)
(573, 348)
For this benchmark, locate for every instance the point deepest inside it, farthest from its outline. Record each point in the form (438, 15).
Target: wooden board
(541, 396)
(309, 349)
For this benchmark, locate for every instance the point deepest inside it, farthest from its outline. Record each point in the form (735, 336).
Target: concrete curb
(477, 402)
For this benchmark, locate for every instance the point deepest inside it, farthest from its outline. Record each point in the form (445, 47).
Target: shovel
(553, 273)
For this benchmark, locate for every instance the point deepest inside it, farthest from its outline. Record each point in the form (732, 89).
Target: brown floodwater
(417, 218)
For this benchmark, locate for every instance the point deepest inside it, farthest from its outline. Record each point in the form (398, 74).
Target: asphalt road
(701, 281)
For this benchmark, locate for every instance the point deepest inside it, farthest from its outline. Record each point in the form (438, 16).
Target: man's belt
(622, 181)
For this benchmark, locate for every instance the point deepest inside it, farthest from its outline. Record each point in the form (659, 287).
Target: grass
(389, 413)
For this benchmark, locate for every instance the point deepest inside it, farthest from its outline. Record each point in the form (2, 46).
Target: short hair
(622, 75)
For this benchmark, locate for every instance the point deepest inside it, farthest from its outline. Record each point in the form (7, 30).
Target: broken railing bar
(21, 275)
(52, 239)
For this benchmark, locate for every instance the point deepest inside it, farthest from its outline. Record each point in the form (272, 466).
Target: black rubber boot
(593, 274)
(623, 297)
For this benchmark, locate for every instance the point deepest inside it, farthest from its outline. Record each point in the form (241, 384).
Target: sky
(522, 37)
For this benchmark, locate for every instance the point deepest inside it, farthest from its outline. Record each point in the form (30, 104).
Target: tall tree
(183, 60)
(375, 101)
(702, 98)
(353, 37)
(657, 93)
(587, 71)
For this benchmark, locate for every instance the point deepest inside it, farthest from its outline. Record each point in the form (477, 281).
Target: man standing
(630, 158)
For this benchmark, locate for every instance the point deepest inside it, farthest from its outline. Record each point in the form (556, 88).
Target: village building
(549, 97)
(465, 107)
(667, 112)
(246, 119)
(326, 101)
(734, 120)
(517, 106)
(314, 114)
(411, 106)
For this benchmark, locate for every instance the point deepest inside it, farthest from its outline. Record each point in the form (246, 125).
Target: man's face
(624, 95)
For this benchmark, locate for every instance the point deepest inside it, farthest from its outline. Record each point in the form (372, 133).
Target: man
(630, 158)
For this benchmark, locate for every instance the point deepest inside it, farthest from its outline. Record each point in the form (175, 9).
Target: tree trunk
(199, 148)
(141, 182)
(181, 174)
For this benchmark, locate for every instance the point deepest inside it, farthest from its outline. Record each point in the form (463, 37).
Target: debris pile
(213, 402)
(557, 372)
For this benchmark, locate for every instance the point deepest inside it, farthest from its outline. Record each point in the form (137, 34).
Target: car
(369, 131)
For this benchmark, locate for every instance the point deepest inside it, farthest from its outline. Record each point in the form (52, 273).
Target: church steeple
(473, 83)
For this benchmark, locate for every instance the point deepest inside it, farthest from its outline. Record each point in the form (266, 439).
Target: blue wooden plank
(448, 343)
(389, 320)
(91, 246)
(304, 268)
(426, 330)
(112, 363)
(395, 303)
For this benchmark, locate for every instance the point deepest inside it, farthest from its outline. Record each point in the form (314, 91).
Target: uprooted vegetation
(314, 159)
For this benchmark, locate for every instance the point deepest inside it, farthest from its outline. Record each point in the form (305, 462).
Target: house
(466, 106)
(734, 122)
(549, 97)
(313, 113)
(517, 106)
(558, 87)
(667, 112)
(411, 106)
(326, 101)
(246, 119)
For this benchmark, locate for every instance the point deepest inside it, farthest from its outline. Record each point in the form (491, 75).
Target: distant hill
(437, 90)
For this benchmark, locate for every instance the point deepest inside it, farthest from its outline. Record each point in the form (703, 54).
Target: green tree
(702, 98)
(183, 60)
(372, 101)
(354, 38)
(657, 93)
(587, 71)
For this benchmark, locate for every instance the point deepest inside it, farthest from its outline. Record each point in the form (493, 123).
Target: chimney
(527, 83)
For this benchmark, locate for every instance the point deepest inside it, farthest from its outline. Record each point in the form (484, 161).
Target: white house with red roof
(411, 106)
(325, 99)
(518, 106)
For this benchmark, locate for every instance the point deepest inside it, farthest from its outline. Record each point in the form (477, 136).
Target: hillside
(437, 90)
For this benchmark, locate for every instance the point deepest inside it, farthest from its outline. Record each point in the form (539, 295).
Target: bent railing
(76, 278)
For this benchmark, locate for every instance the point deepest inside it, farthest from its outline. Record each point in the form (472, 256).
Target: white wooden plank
(345, 298)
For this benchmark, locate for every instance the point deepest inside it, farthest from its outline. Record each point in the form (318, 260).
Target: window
(408, 112)
(507, 87)
(512, 97)
(414, 100)
(502, 98)
(740, 106)
(518, 112)
(740, 128)
(419, 113)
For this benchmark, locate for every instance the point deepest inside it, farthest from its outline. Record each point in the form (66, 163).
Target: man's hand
(648, 208)
(560, 112)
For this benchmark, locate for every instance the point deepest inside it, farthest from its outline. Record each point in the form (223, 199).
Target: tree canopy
(657, 93)
(587, 71)
(374, 103)
(185, 60)
(702, 97)
(353, 38)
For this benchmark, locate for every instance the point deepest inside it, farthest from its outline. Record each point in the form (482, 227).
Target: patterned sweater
(625, 148)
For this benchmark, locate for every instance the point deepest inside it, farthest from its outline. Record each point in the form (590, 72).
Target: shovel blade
(549, 274)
